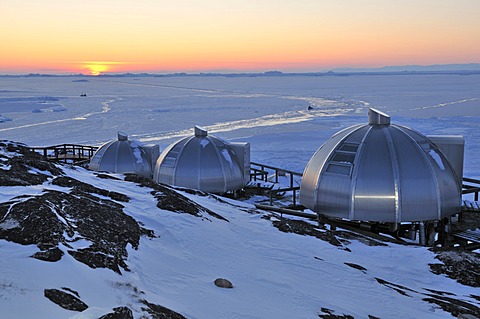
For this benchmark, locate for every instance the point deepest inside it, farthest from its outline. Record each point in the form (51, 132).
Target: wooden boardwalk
(468, 239)
(67, 153)
(471, 186)
(264, 180)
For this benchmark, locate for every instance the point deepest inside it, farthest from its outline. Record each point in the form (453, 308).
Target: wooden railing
(469, 189)
(66, 153)
(261, 172)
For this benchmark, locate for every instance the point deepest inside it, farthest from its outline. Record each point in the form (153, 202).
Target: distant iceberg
(5, 119)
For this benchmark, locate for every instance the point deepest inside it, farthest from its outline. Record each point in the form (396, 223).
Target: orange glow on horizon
(96, 68)
(230, 36)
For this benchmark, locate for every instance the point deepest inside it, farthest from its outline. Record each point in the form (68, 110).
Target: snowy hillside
(114, 246)
(78, 244)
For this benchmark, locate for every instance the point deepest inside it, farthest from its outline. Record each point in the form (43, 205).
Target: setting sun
(96, 68)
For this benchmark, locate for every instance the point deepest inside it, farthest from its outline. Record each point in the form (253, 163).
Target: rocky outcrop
(67, 211)
(171, 200)
(119, 313)
(69, 300)
(160, 312)
(223, 283)
(21, 167)
(461, 266)
(79, 212)
(57, 217)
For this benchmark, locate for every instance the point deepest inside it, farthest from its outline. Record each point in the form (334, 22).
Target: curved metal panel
(374, 189)
(310, 189)
(419, 190)
(380, 172)
(200, 162)
(121, 156)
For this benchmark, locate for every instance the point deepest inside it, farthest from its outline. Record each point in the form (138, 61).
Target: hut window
(343, 157)
(339, 168)
(349, 147)
(169, 162)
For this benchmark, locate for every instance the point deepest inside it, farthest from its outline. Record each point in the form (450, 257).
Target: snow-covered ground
(275, 274)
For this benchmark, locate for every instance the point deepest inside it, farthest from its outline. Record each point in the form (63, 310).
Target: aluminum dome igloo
(204, 162)
(123, 156)
(381, 172)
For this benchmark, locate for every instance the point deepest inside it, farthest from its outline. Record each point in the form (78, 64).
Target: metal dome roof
(121, 156)
(201, 162)
(380, 172)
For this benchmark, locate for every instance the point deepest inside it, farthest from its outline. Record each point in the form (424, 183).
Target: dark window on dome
(349, 147)
(169, 162)
(343, 157)
(339, 168)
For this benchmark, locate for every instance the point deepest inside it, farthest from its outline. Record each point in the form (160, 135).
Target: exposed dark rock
(52, 255)
(444, 300)
(25, 167)
(398, 288)
(330, 314)
(65, 300)
(454, 306)
(32, 221)
(441, 293)
(459, 265)
(171, 200)
(119, 313)
(160, 312)
(80, 188)
(371, 239)
(106, 176)
(304, 228)
(102, 222)
(223, 283)
(95, 259)
(363, 269)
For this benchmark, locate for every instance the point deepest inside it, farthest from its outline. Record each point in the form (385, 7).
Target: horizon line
(448, 67)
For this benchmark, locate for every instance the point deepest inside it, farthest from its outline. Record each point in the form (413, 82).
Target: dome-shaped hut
(124, 156)
(381, 172)
(204, 162)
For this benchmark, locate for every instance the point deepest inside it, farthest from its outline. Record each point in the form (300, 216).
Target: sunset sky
(106, 36)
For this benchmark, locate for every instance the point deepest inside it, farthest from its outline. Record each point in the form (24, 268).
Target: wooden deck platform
(66, 153)
(264, 180)
(468, 239)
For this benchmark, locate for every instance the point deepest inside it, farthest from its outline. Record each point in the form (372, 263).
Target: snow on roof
(121, 156)
(202, 162)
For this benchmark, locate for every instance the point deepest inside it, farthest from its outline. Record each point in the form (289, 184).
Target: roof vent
(375, 117)
(200, 131)
(122, 136)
